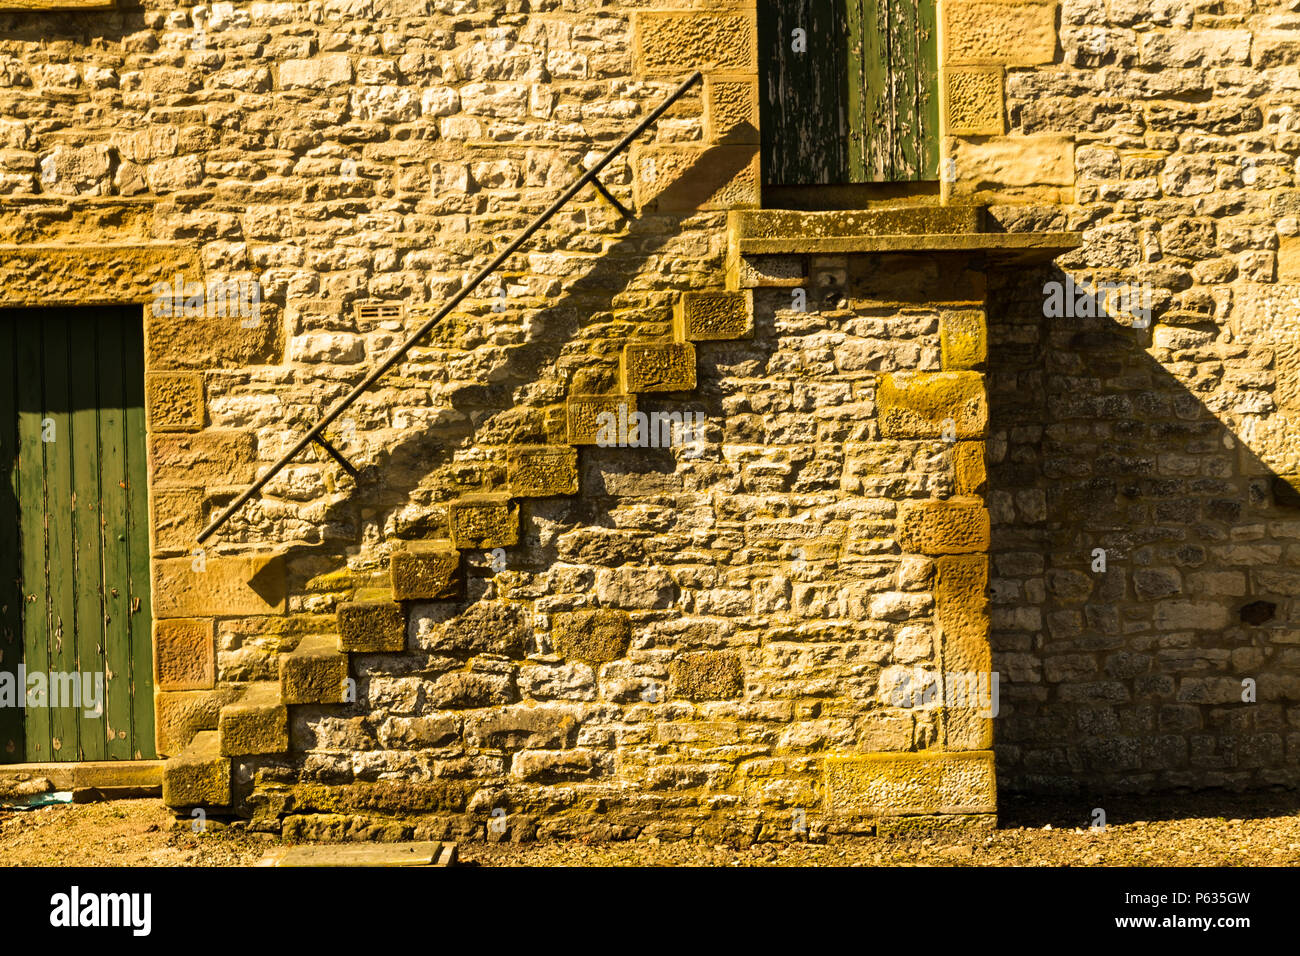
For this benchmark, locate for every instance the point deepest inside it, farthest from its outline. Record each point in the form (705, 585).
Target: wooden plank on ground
(364, 854)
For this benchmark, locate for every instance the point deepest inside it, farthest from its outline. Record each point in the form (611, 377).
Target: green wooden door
(74, 614)
(849, 91)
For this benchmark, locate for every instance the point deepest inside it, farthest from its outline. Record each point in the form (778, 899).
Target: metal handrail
(316, 434)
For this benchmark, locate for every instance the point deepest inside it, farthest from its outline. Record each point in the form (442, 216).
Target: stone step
(542, 471)
(256, 723)
(587, 417)
(483, 521)
(366, 854)
(372, 623)
(315, 672)
(713, 316)
(425, 570)
(199, 775)
(658, 367)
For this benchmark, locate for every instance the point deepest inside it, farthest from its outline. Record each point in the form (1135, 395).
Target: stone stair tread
(198, 775)
(316, 645)
(256, 723)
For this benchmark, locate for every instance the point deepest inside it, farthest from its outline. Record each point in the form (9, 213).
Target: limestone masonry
(891, 474)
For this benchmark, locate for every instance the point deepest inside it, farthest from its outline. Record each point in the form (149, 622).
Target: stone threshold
(90, 779)
(898, 229)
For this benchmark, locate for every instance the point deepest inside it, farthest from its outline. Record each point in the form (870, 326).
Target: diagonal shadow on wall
(1136, 679)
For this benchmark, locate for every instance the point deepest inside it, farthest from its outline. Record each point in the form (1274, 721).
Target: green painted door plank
(903, 59)
(928, 89)
(11, 617)
(88, 566)
(58, 445)
(117, 563)
(140, 610)
(31, 542)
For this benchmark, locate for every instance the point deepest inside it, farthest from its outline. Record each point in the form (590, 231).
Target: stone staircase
(374, 621)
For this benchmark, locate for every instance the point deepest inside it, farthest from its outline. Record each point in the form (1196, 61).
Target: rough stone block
(213, 457)
(962, 612)
(678, 42)
(950, 405)
(970, 475)
(315, 672)
(1288, 259)
(179, 715)
(954, 526)
(89, 274)
(963, 339)
(425, 571)
(178, 517)
(731, 112)
(372, 627)
(1040, 166)
(585, 415)
(713, 316)
(174, 401)
(673, 179)
(521, 727)
(595, 636)
(198, 776)
(1001, 32)
(911, 783)
(658, 367)
(256, 723)
(483, 521)
(707, 675)
(224, 587)
(974, 102)
(211, 341)
(184, 653)
(541, 471)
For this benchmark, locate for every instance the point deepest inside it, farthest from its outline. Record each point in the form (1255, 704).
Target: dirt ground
(1218, 831)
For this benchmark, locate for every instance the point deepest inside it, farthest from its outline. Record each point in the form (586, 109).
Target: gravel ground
(1215, 831)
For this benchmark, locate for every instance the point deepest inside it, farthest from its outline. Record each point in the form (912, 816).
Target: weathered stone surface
(214, 457)
(911, 783)
(178, 517)
(184, 654)
(463, 689)
(1008, 168)
(962, 612)
(658, 367)
(679, 42)
(707, 675)
(522, 727)
(970, 476)
(553, 766)
(483, 521)
(199, 776)
(372, 627)
(594, 636)
(963, 336)
(540, 471)
(315, 672)
(713, 316)
(974, 102)
(218, 587)
(683, 179)
(732, 115)
(255, 723)
(425, 571)
(1001, 32)
(954, 526)
(174, 401)
(487, 627)
(948, 405)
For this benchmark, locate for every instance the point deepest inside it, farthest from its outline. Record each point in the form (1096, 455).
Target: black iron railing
(317, 436)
